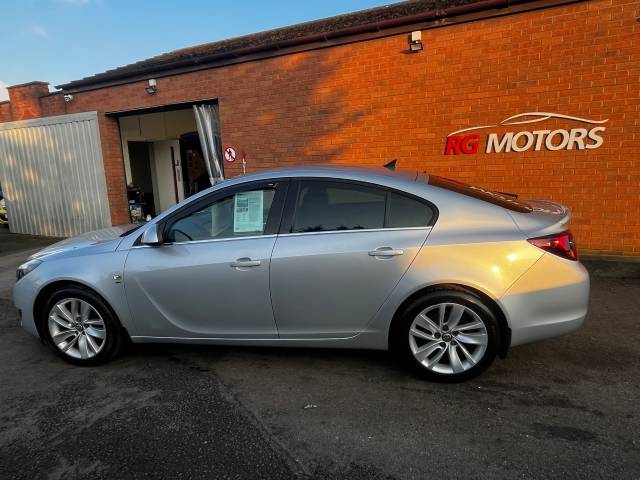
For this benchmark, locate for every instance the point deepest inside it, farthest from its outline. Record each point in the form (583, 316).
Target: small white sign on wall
(248, 212)
(230, 154)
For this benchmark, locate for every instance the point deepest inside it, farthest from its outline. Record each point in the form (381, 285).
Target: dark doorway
(194, 170)
(140, 189)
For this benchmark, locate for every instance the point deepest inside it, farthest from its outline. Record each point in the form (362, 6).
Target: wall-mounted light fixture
(68, 97)
(415, 41)
(152, 88)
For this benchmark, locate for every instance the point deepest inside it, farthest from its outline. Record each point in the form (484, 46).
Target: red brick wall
(370, 102)
(25, 100)
(114, 169)
(5, 112)
(53, 104)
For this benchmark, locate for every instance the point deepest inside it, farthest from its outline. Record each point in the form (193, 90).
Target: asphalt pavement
(566, 407)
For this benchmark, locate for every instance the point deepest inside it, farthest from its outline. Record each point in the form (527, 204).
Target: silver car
(446, 275)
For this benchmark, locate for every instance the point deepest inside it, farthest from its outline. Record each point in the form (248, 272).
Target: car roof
(372, 174)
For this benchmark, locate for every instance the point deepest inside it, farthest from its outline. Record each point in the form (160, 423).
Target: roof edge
(27, 84)
(425, 20)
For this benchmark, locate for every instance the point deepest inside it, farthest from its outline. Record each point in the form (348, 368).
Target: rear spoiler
(545, 218)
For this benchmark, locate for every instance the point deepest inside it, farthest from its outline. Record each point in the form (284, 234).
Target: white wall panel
(52, 175)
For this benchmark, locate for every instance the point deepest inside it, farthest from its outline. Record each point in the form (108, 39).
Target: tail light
(560, 244)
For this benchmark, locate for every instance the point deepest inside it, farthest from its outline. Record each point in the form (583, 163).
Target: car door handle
(386, 252)
(245, 262)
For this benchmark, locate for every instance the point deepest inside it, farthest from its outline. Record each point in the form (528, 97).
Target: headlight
(26, 267)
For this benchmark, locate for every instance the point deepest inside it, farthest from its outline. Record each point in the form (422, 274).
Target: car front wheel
(80, 327)
(448, 336)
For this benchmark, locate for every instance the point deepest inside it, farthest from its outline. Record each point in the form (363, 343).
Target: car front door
(344, 248)
(210, 277)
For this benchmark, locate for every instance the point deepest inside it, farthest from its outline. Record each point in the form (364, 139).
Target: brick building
(350, 89)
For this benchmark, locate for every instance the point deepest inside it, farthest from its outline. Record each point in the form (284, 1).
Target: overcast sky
(62, 40)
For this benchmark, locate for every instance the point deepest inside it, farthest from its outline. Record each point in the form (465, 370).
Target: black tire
(400, 343)
(113, 340)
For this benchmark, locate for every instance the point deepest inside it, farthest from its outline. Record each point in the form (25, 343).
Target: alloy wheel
(448, 338)
(76, 328)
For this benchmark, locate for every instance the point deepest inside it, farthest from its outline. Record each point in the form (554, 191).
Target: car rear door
(342, 249)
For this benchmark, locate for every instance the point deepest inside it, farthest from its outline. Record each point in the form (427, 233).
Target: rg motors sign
(585, 135)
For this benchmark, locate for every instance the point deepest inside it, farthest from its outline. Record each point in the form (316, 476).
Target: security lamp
(415, 41)
(152, 88)
(68, 97)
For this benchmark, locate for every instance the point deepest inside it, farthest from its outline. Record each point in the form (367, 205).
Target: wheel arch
(50, 288)
(492, 304)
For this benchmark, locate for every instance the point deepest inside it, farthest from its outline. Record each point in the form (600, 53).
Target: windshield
(504, 200)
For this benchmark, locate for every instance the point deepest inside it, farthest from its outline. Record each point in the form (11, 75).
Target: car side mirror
(152, 236)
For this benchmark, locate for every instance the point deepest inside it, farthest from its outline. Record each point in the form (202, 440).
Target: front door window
(243, 214)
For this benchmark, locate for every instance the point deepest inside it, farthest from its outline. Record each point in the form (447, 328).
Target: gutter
(426, 20)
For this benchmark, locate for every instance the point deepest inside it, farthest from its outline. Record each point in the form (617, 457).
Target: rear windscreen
(505, 200)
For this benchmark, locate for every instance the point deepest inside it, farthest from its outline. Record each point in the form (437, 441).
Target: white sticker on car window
(248, 212)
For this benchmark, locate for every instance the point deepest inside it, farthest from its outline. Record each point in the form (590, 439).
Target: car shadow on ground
(372, 364)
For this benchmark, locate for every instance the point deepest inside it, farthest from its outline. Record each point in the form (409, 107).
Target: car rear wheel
(80, 327)
(448, 336)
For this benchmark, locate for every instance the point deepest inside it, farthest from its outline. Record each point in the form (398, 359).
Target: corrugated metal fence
(52, 175)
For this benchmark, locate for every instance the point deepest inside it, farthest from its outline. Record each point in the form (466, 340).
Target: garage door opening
(164, 159)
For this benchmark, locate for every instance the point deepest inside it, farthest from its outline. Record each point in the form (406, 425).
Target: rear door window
(406, 212)
(329, 206)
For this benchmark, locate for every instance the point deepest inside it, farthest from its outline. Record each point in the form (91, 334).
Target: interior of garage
(163, 159)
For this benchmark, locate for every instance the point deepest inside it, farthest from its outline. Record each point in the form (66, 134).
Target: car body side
(473, 244)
